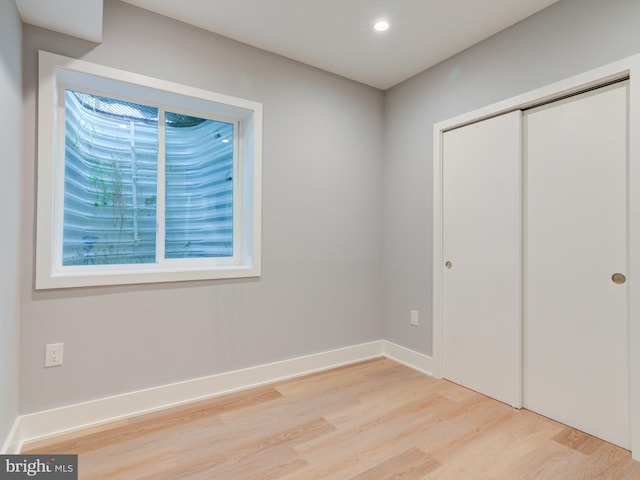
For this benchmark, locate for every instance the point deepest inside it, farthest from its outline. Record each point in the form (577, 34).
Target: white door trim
(627, 67)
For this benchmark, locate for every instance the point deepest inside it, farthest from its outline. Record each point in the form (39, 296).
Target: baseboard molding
(418, 361)
(13, 442)
(57, 421)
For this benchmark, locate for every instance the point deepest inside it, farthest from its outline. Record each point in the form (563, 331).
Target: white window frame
(56, 73)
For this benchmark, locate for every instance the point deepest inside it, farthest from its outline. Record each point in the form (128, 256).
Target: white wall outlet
(414, 318)
(53, 354)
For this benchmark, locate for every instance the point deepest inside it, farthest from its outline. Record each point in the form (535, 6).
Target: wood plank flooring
(375, 420)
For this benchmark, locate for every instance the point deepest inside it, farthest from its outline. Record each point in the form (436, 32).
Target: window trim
(57, 72)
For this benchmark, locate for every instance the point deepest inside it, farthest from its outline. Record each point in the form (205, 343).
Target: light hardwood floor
(374, 420)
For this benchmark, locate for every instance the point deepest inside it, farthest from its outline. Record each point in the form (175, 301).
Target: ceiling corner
(78, 18)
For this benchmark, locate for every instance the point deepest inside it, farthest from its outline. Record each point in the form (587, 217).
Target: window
(141, 180)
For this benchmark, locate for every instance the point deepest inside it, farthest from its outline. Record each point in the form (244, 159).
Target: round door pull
(448, 264)
(618, 278)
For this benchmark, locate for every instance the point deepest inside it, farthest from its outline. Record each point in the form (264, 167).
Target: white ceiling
(78, 18)
(334, 35)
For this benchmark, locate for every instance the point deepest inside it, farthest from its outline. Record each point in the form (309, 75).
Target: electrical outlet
(414, 318)
(53, 354)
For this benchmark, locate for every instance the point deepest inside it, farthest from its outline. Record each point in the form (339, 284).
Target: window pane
(110, 187)
(199, 187)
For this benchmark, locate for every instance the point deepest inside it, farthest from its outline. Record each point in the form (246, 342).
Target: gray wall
(565, 39)
(321, 283)
(10, 135)
(347, 202)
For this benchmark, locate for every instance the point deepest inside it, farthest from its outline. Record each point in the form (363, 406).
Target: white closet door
(482, 191)
(575, 332)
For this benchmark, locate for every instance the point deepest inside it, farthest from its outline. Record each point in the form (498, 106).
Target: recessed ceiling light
(381, 26)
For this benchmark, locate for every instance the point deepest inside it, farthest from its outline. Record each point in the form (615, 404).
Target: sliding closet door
(481, 265)
(576, 342)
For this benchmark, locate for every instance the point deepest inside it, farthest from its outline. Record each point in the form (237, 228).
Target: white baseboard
(13, 443)
(57, 421)
(418, 361)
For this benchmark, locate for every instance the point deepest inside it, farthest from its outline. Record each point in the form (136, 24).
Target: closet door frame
(626, 68)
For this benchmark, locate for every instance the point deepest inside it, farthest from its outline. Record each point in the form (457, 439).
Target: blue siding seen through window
(110, 183)
(110, 186)
(199, 189)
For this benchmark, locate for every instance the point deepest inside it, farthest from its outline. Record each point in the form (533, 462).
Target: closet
(482, 210)
(535, 259)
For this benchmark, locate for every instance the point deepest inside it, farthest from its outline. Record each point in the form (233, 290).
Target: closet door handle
(618, 278)
(448, 264)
